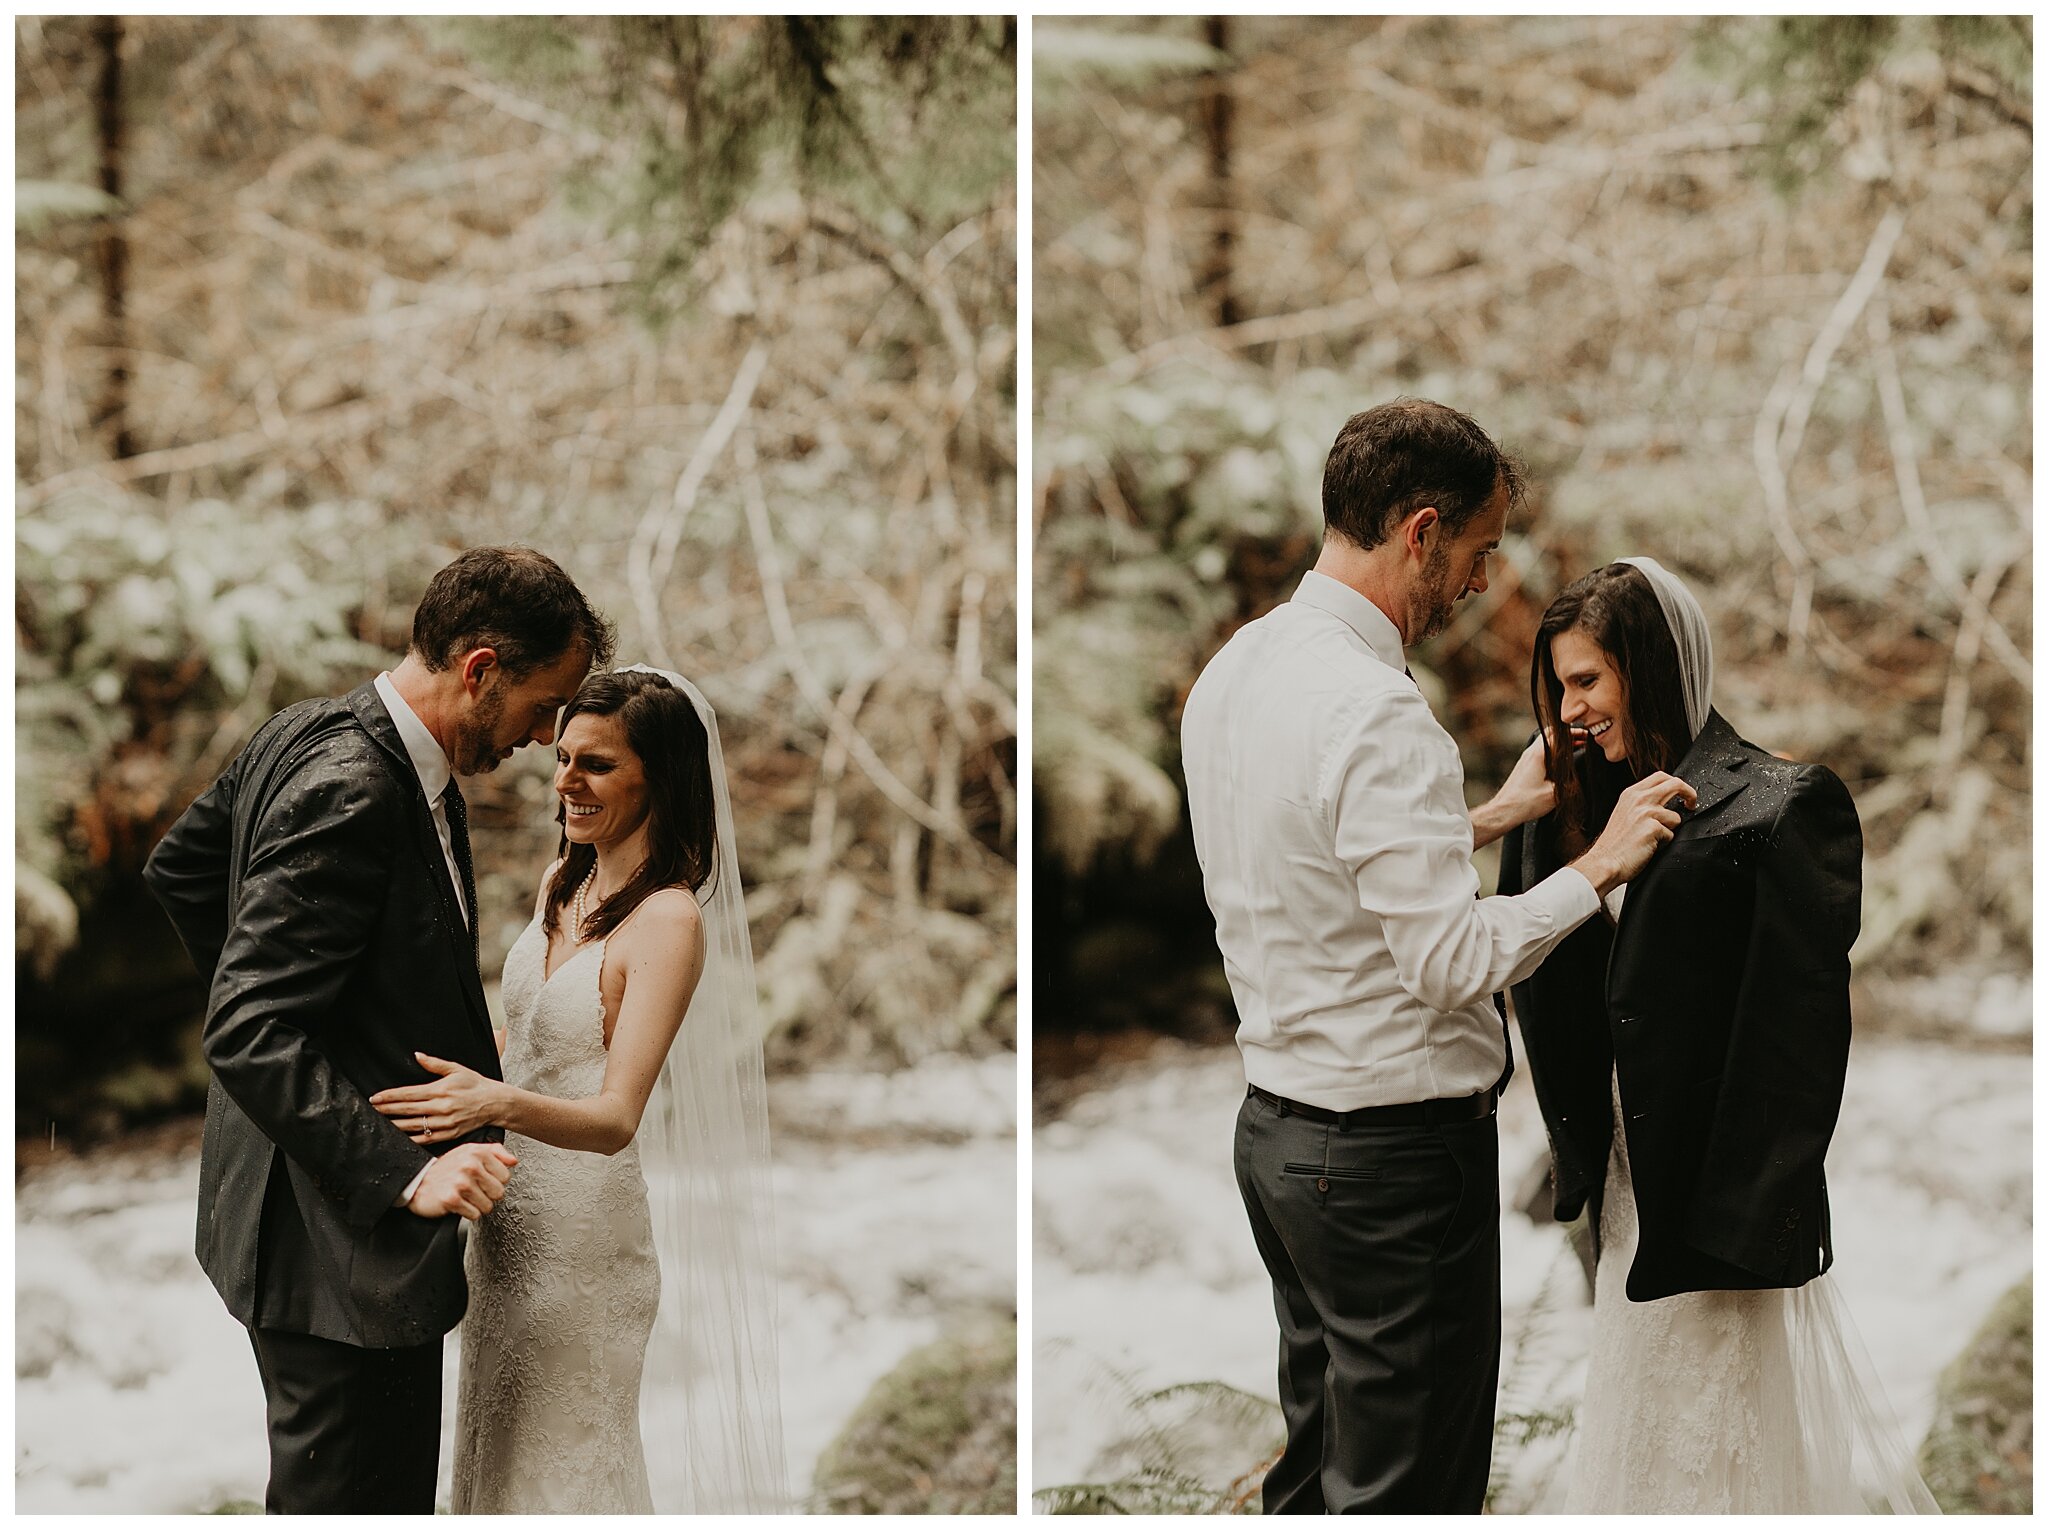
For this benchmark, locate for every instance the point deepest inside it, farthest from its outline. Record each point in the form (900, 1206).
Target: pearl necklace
(579, 905)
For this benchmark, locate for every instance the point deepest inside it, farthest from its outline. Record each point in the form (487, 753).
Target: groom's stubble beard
(1437, 599)
(476, 749)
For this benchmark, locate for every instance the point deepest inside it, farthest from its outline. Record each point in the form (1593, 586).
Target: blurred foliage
(937, 1435)
(144, 649)
(1066, 58)
(1812, 68)
(1979, 1456)
(1200, 475)
(38, 204)
(370, 322)
(1163, 1457)
(1814, 406)
(907, 118)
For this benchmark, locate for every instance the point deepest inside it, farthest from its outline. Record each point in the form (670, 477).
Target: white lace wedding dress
(1727, 1402)
(563, 1282)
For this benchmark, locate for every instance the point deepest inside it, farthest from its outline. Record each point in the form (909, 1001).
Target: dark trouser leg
(1392, 1237)
(351, 1430)
(1294, 1485)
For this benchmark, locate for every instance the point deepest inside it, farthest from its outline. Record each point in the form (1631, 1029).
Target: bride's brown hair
(1617, 608)
(664, 730)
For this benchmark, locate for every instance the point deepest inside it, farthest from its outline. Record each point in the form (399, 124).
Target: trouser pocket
(1325, 1174)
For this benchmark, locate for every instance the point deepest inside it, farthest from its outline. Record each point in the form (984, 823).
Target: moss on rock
(1979, 1456)
(936, 1435)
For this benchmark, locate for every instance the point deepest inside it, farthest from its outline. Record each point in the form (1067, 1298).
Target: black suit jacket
(309, 884)
(1719, 1005)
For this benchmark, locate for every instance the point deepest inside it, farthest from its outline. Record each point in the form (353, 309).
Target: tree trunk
(1219, 271)
(112, 416)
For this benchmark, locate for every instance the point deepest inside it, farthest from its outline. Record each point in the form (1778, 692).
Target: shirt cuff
(1570, 896)
(405, 1199)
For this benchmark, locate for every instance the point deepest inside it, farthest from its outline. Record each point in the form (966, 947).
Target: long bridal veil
(711, 1412)
(1844, 1419)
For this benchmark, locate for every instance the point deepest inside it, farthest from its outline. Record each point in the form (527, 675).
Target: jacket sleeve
(1509, 881)
(317, 878)
(1788, 1050)
(188, 873)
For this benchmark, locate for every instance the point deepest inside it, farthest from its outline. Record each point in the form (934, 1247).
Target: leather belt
(1471, 1107)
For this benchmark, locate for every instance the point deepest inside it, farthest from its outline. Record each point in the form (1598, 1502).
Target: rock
(1979, 1456)
(43, 1322)
(937, 1435)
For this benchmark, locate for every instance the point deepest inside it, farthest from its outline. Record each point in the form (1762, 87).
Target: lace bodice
(563, 1283)
(557, 1047)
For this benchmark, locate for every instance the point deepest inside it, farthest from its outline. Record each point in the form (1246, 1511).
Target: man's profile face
(506, 714)
(1456, 566)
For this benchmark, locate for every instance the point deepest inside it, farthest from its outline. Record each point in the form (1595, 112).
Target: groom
(324, 885)
(1330, 821)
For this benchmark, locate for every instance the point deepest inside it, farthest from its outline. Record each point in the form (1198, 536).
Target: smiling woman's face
(601, 781)
(1594, 698)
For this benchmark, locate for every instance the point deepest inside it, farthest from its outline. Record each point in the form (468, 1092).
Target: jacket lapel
(368, 708)
(1715, 767)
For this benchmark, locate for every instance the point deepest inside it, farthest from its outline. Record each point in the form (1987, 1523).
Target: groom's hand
(1525, 796)
(1643, 819)
(466, 1181)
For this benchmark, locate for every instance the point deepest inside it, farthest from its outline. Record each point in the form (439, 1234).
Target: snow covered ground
(136, 1392)
(1145, 1274)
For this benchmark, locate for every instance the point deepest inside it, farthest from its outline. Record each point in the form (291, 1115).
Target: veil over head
(710, 1409)
(1688, 624)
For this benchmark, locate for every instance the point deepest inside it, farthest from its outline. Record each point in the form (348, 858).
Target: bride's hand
(457, 1102)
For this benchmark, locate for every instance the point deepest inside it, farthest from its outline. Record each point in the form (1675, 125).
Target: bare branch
(784, 629)
(1913, 500)
(653, 551)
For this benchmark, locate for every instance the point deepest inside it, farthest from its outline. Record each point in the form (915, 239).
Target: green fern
(1534, 1405)
(1194, 1447)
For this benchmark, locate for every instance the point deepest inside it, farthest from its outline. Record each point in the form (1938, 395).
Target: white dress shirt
(430, 764)
(1336, 850)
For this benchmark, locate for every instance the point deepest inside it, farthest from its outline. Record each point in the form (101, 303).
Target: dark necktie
(458, 838)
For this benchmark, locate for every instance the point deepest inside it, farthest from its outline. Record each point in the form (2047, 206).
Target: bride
(1689, 1053)
(634, 1236)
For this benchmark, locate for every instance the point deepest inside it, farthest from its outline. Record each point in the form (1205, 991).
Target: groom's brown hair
(1393, 459)
(511, 599)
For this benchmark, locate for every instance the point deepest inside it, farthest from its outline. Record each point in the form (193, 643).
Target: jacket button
(1323, 1184)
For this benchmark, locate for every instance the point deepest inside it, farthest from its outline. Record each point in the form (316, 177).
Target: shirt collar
(429, 763)
(1372, 624)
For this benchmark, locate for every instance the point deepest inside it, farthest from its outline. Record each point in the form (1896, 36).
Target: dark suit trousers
(352, 1431)
(1384, 1248)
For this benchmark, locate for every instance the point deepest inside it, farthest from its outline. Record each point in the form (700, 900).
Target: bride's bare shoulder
(668, 913)
(668, 922)
(661, 942)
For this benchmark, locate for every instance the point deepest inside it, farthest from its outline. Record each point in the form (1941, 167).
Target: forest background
(720, 313)
(1753, 296)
